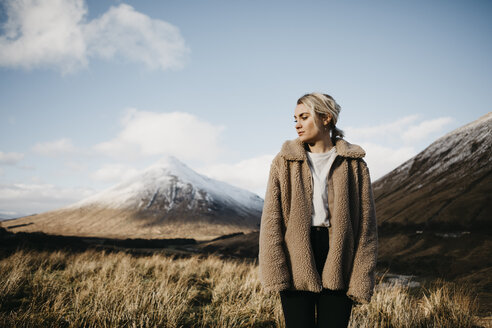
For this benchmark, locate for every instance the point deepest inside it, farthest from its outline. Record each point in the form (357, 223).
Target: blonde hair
(320, 104)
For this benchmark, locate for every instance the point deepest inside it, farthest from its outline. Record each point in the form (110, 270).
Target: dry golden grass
(439, 304)
(98, 289)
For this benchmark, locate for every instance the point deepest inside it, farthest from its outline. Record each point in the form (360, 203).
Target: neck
(322, 145)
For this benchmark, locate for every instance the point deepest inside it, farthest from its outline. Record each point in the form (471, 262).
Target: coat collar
(295, 149)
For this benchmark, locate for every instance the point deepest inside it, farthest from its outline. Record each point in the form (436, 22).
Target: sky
(92, 92)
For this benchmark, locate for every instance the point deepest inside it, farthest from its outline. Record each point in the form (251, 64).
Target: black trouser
(333, 306)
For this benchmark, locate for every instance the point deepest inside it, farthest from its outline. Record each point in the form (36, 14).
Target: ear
(326, 119)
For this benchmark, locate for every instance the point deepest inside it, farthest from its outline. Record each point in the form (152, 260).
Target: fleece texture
(286, 260)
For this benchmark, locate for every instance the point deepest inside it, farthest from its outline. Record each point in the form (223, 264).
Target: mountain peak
(170, 162)
(169, 181)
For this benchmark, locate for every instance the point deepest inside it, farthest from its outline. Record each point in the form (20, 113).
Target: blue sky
(92, 92)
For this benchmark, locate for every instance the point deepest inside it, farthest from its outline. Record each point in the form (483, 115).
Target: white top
(320, 164)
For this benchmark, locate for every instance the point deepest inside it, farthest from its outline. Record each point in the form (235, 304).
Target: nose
(298, 125)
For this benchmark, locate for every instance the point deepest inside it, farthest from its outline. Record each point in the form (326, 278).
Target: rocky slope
(446, 186)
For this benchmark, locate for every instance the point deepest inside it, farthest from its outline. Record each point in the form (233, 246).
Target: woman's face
(306, 127)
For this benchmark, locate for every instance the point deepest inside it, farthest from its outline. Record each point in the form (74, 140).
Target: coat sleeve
(361, 285)
(273, 270)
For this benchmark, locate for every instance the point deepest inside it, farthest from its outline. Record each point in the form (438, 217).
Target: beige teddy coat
(286, 258)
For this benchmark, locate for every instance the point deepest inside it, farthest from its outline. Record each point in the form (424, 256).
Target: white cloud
(76, 166)
(124, 32)
(114, 173)
(55, 148)
(405, 129)
(382, 130)
(149, 133)
(10, 158)
(425, 128)
(381, 159)
(56, 33)
(403, 135)
(250, 174)
(36, 198)
(39, 33)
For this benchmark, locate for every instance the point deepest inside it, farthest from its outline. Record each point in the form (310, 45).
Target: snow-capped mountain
(169, 185)
(168, 199)
(448, 184)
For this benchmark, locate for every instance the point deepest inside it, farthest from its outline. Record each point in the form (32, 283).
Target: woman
(318, 234)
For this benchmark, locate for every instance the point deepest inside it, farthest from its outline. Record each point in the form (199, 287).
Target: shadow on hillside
(236, 245)
(10, 242)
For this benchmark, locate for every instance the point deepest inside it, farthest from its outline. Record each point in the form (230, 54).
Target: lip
(301, 132)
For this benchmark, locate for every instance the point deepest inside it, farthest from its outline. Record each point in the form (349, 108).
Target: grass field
(101, 289)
